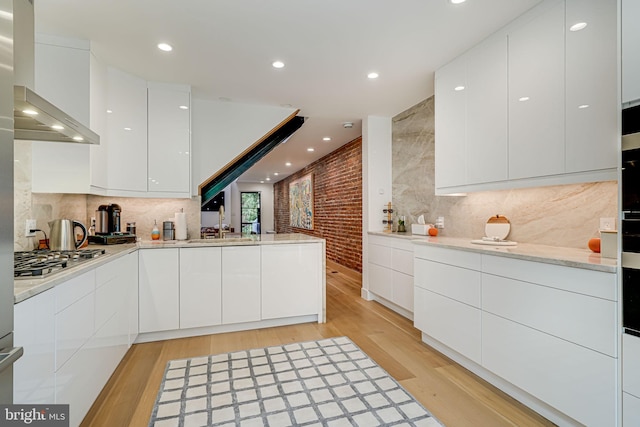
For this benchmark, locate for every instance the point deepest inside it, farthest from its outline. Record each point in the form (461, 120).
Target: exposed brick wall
(337, 188)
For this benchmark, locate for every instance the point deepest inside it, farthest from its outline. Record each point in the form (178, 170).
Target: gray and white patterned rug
(330, 382)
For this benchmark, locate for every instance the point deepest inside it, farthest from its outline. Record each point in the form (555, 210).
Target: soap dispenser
(155, 232)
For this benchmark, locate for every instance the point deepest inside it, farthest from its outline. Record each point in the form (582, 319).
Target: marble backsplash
(567, 215)
(81, 207)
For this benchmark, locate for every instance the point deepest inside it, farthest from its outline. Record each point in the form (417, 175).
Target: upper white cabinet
(539, 103)
(126, 139)
(591, 85)
(630, 51)
(536, 95)
(450, 126)
(63, 76)
(147, 145)
(169, 162)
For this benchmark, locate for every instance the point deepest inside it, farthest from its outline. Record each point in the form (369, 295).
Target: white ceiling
(224, 50)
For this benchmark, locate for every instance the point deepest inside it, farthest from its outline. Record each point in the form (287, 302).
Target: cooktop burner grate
(39, 263)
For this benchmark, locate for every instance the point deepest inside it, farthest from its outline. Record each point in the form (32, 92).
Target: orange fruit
(594, 245)
(433, 231)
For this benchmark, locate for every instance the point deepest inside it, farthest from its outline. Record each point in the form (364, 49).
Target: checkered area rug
(319, 383)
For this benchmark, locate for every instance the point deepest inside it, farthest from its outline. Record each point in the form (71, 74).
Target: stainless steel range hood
(36, 119)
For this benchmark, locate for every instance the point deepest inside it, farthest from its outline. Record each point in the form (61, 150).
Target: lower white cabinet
(391, 270)
(200, 287)
(630, 410)
(240, 284)
(74, 336)
(159, 289)
(549, 330)
(34, 373)
(298, 280)
(573, 379)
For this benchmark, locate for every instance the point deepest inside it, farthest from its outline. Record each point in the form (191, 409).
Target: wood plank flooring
(454, 395)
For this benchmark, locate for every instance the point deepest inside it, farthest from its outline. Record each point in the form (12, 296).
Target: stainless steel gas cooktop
(39, 263)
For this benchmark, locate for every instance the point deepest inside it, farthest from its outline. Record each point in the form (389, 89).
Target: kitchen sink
(226, 239)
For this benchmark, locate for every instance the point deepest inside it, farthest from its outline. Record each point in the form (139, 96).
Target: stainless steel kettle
(62, 236)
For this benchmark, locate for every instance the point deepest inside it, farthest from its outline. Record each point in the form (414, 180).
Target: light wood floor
(450, 392)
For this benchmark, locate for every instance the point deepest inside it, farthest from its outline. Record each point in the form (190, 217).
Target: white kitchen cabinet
(291, 280)
(131, 273)
(630, 410)
(241, 299)
(159, 289)
(62, 77)
(74, 315)
(631, 364)
(169, 138)
(34, 372)
(536, 95)
(126, 138)
(630, 14)
(200, 287)
(486, 147)
(591, 109)
(575, 380)
(450, 124)
(447, 300)
(391, 272)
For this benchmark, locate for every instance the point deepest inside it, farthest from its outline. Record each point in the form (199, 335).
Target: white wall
(376, 183)
(222, 130)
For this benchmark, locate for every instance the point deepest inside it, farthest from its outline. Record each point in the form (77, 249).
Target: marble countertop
(26, 288)
(233, 240)
(570, 257)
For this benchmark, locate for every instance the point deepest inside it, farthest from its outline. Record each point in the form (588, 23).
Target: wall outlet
(607, 223)
(30, 225)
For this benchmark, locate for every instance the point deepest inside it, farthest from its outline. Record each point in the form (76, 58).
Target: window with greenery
(250, 212)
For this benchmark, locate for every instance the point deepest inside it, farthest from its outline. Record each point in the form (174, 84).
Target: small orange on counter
(594, 245)
(433, 231)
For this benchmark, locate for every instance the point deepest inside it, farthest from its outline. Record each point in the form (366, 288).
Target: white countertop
(570, 257)
(26, 288)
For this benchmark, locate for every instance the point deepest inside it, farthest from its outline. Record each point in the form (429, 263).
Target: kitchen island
(77, 325)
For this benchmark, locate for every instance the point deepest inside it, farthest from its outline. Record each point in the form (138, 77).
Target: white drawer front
(577, 381)
(470, 260)
(110, 271)
(578, 318)
(402, 261)
(380, 255)
(380, 281)
(74, 326)
(630, 410)
(589, 282)
(73, 289)
(457, 283)
(454, 324)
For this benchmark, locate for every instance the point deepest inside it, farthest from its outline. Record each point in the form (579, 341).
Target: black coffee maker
(113, 212)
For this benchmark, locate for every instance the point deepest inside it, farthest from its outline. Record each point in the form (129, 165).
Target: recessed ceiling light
(326, 138)
(109, 111)
(78, 138)
(277, 64)
(456, 1)
(310, 149)
(267, 179)
(276, 174)
(288, 164)
(183, 107)
(57, 127)
(165, 47)
(578, 26)
(30, 112)
(583, 106)
(523, 99)
(373, 75)
(458, 88)
(261, 182)
(127, 128)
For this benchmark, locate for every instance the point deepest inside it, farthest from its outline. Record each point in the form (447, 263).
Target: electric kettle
(62, 235)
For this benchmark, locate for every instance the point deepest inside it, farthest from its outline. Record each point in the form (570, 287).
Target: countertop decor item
(594, 245)
(401, 228)
(495, 232)
(155, 232)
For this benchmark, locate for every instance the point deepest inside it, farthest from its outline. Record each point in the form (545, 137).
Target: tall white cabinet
(630, 13)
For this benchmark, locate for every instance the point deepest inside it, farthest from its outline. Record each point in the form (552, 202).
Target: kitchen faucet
(221, 217)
